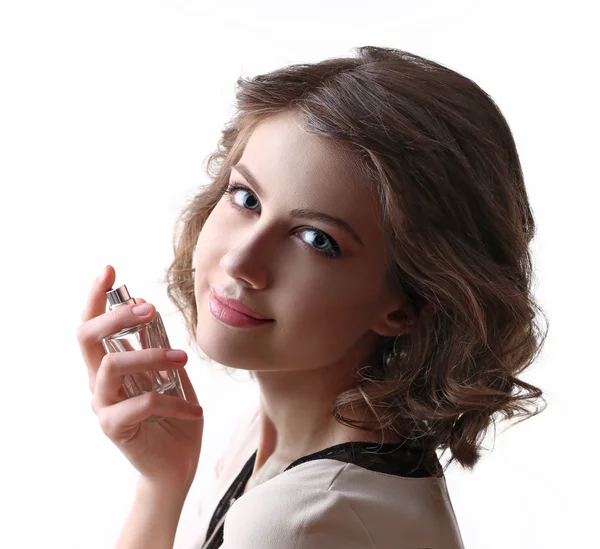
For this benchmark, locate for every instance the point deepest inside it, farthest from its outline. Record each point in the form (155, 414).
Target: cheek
(334, 315)
(318, 330)
(221, 223)
(325, 308)
(212, 234)
(205, 252)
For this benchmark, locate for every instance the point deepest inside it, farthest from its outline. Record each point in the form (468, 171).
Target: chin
(219, 344)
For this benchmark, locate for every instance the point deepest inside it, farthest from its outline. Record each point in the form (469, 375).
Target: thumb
(188, 388)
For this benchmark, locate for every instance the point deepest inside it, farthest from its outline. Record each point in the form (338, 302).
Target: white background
(107, 113)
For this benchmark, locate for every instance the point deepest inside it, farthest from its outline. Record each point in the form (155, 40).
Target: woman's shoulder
(326, 503)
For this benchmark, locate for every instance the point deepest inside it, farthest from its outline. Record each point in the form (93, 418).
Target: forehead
(309, 170)
(282, 143)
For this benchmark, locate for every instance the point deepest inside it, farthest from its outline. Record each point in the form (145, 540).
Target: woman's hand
(166, 452)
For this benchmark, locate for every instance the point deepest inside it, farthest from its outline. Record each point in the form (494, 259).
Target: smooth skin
(166, 453)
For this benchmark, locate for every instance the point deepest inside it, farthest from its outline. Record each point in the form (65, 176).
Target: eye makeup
(331, 249)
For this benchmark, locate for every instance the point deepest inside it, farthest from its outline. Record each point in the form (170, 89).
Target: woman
(368, 216)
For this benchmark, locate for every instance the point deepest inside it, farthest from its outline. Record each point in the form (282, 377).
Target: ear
(395, 322)
(396, 316)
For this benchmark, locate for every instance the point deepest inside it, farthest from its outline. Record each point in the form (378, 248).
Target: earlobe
(405, 325)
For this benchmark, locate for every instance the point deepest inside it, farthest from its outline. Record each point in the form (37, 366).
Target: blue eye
(323, 243)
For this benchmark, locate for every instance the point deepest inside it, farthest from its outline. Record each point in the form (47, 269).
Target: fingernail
(175, 356)
(142, 310)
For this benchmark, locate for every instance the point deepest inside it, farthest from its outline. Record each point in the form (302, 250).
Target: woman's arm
(153, 519)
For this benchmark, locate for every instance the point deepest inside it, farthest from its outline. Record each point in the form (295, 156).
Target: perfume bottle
(143, 336)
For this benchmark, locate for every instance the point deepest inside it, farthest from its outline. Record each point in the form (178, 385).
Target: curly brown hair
(441, 160)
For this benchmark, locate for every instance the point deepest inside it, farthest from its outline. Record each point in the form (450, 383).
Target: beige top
(322, 504)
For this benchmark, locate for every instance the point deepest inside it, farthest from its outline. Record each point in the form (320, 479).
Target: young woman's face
(322, 286)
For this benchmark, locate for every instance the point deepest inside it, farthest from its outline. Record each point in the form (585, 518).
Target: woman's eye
(231, 192)
(318, 242)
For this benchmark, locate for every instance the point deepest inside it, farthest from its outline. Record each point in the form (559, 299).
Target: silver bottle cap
(119, 297)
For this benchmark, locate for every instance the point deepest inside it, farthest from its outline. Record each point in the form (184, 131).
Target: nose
(247, 262)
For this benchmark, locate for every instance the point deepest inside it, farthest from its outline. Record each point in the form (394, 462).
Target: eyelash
(336, 253)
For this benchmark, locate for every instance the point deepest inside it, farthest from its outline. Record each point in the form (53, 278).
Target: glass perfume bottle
(143, 336)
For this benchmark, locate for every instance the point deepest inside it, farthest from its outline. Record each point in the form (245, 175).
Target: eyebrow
(302, 212)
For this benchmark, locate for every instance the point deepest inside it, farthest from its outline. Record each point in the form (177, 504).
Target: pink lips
(233, 312)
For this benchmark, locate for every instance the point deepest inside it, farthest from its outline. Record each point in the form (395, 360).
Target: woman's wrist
(153, 519)
(150, 489)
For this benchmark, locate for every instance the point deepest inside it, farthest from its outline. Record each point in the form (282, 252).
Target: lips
(236, 305)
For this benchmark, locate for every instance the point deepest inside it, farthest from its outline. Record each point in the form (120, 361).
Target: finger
(115, 366)
(91, 333)
(95, 306)
(188, 388)
(118, 420)
(96, 301)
